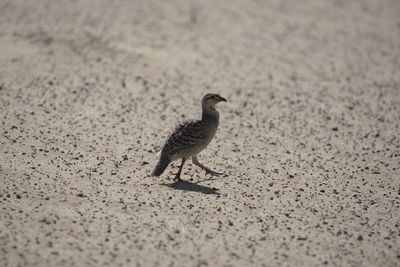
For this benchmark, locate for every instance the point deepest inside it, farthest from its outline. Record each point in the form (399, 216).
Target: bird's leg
(178, 174)
(208, 171)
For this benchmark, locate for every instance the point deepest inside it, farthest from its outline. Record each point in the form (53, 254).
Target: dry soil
(308, 142)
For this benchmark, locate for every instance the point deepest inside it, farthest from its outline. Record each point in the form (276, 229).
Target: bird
(190, 138)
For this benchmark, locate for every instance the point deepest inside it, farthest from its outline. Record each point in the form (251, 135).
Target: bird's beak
(222, 99)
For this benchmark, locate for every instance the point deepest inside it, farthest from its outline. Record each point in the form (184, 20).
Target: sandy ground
(309, 140)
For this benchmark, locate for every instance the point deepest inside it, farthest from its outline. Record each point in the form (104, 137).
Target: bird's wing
(187, 134)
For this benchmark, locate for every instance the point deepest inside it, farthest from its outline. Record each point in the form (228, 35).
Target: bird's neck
(209, 114)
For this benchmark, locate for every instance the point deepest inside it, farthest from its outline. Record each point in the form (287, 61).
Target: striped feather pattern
(186, 136)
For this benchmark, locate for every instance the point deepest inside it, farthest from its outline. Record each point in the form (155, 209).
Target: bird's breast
(212, 129)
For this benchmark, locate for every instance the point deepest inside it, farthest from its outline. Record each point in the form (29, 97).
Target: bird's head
(210, 100)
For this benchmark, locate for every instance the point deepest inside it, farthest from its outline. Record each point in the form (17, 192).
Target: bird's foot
(177, 178)
(208, 171)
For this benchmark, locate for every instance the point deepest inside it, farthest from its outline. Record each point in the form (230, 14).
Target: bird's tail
(161, 166)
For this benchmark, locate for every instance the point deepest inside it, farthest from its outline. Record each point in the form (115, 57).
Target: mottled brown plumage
(190, 137)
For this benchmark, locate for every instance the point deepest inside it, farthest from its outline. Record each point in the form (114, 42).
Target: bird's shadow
(193, 187)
